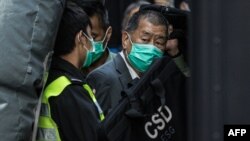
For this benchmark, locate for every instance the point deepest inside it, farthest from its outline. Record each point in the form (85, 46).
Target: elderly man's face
(147, 33)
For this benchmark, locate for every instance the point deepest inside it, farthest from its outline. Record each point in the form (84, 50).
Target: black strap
(159, 90)
(135, 111)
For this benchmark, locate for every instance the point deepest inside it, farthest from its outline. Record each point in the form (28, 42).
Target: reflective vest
(47, 128)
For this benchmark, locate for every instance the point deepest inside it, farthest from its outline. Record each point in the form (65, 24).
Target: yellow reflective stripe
(43, 122)
(47, 129)
(55, 88)
(102, 117)
(91, 94)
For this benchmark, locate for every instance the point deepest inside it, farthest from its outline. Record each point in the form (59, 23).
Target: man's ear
(125, 40)
(80, 38)
(109, 33)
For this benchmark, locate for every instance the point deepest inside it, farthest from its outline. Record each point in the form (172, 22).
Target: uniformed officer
(69, 110)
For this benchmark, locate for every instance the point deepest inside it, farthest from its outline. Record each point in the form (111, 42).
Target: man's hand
(172, 47)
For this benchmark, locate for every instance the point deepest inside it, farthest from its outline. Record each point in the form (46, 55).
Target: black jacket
(73, 110)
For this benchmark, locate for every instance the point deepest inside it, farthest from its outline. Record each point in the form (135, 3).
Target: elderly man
(143, 40)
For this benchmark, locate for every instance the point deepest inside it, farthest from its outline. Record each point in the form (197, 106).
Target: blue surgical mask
(142, 56)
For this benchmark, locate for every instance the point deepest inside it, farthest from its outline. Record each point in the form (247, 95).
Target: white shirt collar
(130, 69)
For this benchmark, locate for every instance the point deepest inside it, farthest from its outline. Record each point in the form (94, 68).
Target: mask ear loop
(92, 42)
(130, 42)
(105, 38)
(81, 42)
(78, 38)
(129, 37)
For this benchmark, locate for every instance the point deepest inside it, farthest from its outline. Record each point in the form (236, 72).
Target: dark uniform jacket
(73, 110)
(108, 81)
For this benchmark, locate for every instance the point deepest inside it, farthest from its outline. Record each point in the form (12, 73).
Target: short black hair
(96, 8)
(154, 17)
(73, 20)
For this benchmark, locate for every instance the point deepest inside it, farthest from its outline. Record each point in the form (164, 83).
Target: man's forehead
(97, 29)
(148, 28)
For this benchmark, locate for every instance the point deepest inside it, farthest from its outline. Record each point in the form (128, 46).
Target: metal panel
(220, 54)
